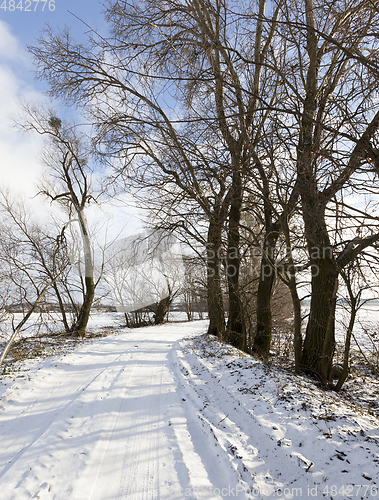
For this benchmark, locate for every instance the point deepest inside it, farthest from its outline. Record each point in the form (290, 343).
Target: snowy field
(167, 413)
(366, 330)
(34, 326)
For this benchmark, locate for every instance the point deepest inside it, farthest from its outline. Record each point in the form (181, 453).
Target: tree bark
(298, 340)
(162, 310)
(262, 341)
(296, 303)
(354, 304)
(319, 342)
(215, 299)
(80, 327)
(236, 332)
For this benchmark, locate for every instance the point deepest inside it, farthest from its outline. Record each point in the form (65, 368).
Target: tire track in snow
(224, 418)
(127, 474)
(44, 440)
(100, 471)
(40, 409)
(204, 448)
(136, 431)
(140, 468)
(147, 468)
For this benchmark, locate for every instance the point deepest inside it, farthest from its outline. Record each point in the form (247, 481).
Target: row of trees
(248, 129)
(54, 265)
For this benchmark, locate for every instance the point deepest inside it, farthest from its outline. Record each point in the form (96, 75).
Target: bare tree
(205, 100)
(208, 71)
(68, 182)
(336, 128)
(145, 273)
(32, 260)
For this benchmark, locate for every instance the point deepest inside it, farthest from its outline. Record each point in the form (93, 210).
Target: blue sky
(26, 26)
(20, 154)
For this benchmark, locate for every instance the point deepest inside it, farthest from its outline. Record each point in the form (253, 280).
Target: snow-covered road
(106, 422)
(143, 415)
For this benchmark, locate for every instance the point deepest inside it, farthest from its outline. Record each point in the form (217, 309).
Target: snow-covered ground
(168, 413)
(366, 329)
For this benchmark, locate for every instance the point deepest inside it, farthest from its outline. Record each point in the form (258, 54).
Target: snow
(169, 413)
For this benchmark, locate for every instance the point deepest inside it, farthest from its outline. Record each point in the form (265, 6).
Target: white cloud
(10, 47)
(20, 167)
(20, 153)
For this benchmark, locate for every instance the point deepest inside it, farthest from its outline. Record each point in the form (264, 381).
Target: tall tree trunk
(292, 285)
(214, 292)
(262, 340)
(354, 306)
(319, 337)
(297, 341)
(319, 342)
(80, 327)
(236, 328)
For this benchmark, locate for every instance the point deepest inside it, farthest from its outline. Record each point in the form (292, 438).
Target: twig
(226, 416)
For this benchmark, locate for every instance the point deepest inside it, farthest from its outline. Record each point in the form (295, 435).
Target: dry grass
(43, 346)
